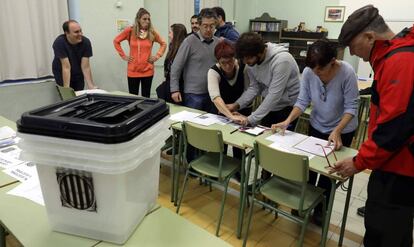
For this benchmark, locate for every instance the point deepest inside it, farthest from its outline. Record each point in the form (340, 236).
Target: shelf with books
(269, 27)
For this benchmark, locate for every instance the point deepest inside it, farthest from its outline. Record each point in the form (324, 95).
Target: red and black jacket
(390, 143)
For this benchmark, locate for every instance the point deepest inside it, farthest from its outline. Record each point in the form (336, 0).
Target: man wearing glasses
(195, 57)
(389, 149)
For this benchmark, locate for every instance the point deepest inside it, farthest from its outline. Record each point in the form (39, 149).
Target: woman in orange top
(140, 37)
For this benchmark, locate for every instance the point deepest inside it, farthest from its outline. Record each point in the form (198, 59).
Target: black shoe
(294, 212)
(361, 211)
(237, 176)
(317, 219)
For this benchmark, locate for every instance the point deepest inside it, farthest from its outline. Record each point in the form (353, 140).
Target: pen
(233, 131)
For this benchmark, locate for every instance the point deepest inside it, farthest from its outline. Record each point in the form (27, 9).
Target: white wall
(397, 14)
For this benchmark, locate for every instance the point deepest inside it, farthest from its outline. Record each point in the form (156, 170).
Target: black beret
(357, 22)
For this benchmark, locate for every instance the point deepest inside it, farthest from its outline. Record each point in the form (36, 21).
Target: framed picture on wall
(334, 13)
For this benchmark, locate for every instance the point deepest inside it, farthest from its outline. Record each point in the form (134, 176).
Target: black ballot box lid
(99, 118)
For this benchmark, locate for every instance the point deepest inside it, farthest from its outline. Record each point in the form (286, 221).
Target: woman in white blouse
(227, 80)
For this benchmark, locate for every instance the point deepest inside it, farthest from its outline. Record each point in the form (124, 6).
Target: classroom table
(4, 178)
(245, 142)
(231, 138)
(318, 164)
(28, 222)
(165, 228)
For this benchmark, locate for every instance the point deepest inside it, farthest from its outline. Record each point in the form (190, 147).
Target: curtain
(27, 31)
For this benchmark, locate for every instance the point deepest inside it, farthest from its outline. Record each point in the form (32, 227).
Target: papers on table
(184, 116)
(9, 156)
(289, 139)
(299, 144)
(315, 146)
(97, 90)
(22, 172)
(7, 136)
(198, 118)
(253, 131)
(290, 149)
(30, 189)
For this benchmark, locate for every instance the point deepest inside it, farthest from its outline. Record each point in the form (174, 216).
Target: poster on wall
(334, 13)
(121, 24)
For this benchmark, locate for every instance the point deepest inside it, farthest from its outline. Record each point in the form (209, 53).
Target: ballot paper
(290, 149)
(315, 146)
(23, 171)
(7, 136)
(289, 138)
(184, 116)
(30, 189)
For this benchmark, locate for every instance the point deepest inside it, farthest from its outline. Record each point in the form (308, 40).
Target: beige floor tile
(276, 238)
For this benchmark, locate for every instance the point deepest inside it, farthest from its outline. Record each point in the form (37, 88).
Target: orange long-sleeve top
(140, 51)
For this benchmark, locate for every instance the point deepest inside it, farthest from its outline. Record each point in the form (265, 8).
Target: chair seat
(207, 164)
(288, 193)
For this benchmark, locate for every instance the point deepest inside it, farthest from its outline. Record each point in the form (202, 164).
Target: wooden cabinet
(269, 27)
(300, 41)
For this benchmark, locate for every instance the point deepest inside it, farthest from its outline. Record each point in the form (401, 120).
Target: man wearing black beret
(389, 149)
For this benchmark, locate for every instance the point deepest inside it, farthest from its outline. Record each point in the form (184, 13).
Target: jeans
(199, 102)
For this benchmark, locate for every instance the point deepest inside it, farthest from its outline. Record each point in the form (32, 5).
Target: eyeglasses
(323, 93)
(326, 156)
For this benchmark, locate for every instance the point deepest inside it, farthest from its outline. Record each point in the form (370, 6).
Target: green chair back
(18, 98)
(209, 140)
(66, 92)
(287, 165)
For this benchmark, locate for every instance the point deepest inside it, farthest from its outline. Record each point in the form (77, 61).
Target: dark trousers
(276, 117)
(324, 182)
(133, 85)
(389, 210)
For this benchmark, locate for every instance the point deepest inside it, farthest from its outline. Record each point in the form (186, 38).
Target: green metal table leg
(2, 236)
(345, 215)
(328, 213)
(242, 194)
(177, 168)
(173, 166)
(243, 190)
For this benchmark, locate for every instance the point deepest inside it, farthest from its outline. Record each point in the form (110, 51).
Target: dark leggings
(324, 182)
(133, 85)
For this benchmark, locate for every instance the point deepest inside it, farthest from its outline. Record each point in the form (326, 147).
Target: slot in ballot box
(98, 161)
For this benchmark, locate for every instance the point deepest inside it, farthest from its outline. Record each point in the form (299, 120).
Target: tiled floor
(201, 207)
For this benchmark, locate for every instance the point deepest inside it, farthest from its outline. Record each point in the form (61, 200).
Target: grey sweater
(276, 79)
(195, 57)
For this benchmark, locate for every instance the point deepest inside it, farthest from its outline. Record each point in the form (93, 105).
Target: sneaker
(361, 211)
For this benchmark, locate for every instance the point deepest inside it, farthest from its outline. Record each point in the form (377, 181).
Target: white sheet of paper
(255, 131)
(22, 172)
(289, 149)
(184, 116)
(7, 161)
(30, 189)
(289, 139)
(310, 145)
(204, 119)
(222, 120)
(96, 90)
(11, 151)
(6, 133)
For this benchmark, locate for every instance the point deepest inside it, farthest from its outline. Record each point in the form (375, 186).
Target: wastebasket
(97, 158)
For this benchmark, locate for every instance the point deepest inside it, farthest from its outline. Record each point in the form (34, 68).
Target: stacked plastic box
(98, 161)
